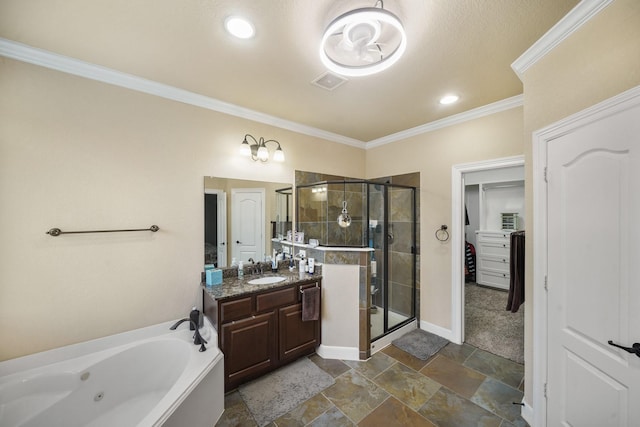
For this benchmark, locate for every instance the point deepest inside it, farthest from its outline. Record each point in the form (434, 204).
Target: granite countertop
(234, 286)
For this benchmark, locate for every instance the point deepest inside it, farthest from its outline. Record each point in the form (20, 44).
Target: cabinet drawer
(234, 310)
(493, 279)
(498, 264)
(271, 300)
(493, 237)
(494, 249)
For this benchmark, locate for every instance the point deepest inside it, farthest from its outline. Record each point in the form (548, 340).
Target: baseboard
(333, 352)
(438, 330)
(527, 413)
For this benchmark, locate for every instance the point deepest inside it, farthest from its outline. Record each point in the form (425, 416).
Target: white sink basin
(267, 280)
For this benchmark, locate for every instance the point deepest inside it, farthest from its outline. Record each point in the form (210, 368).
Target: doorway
(494, 210)
(458, 241)
(215, 227)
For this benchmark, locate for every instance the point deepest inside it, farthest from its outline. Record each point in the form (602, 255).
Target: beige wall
(598, 61)
(433, 154)
(78, 154)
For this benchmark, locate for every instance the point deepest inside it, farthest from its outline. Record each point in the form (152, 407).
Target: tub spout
(197, 338)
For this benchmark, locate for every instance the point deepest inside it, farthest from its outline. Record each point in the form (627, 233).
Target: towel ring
(442, 234)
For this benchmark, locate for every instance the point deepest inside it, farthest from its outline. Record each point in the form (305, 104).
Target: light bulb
(245, 149)
(278, 156)
(263, 153)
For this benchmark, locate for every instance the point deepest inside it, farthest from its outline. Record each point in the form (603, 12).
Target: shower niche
(383, 222)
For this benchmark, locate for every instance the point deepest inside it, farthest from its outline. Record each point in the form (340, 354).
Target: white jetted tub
(147, 377)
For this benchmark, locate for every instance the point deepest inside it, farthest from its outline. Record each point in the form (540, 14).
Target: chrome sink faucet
(256, 268)
(197, 338)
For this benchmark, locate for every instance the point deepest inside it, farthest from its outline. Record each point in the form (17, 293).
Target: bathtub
(147, 377)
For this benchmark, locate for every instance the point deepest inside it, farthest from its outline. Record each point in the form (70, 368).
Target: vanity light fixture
(258, 150)
(363, 41)
(239, 27)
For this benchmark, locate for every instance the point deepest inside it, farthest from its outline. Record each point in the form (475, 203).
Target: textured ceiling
(460, 46)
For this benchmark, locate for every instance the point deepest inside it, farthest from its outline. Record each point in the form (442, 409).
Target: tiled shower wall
(327, 210)
(320, 206)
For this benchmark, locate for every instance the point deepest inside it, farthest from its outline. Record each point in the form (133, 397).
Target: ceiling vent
(329, 81)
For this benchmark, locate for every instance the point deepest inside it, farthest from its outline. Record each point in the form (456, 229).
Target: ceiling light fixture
(239, 27)
(449, 99)
(363, 42)
(258, 150)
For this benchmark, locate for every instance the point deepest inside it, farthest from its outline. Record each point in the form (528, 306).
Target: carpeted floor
(275, 394)
(489, 326)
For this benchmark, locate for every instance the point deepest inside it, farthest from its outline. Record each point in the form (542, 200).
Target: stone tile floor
(460, 386)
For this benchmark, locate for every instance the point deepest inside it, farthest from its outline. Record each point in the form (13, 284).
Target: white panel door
(247, 223)
(593, 255)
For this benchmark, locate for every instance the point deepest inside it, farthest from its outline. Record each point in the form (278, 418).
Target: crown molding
(486, 110)
(66, 64)
(572, 21)
(69, 65)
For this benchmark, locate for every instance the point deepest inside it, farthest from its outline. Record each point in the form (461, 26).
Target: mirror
(242, 216)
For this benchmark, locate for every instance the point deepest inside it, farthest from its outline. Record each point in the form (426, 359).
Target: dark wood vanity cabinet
(260, 332)
(296, 338)
(249, 347)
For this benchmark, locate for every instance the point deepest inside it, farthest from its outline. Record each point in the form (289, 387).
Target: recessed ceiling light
(449, 99)
(239, 27)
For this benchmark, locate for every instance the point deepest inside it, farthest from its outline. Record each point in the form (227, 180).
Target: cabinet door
(249, 348)
(297, 338)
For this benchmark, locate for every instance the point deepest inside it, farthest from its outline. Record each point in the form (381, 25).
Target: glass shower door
(400, 255)
(392, 235)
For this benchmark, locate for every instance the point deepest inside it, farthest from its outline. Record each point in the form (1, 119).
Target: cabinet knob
(504, 245)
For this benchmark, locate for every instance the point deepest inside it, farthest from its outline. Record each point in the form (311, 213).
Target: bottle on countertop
(240, 270)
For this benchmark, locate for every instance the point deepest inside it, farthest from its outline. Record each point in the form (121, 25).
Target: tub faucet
(197, 338)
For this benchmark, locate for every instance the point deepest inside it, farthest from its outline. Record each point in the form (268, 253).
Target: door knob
(634, 349)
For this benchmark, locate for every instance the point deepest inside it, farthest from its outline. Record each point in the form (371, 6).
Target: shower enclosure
(383, 218)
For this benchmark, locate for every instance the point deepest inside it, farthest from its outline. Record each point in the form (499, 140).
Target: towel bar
(302, 290)
(56, 231)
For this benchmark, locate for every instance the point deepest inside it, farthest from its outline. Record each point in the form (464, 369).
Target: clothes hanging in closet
(469, 263)
(516, 272)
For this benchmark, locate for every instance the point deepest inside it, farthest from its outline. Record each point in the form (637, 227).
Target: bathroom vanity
(260, 327)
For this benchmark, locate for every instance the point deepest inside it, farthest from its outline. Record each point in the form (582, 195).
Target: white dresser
(492, 258)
